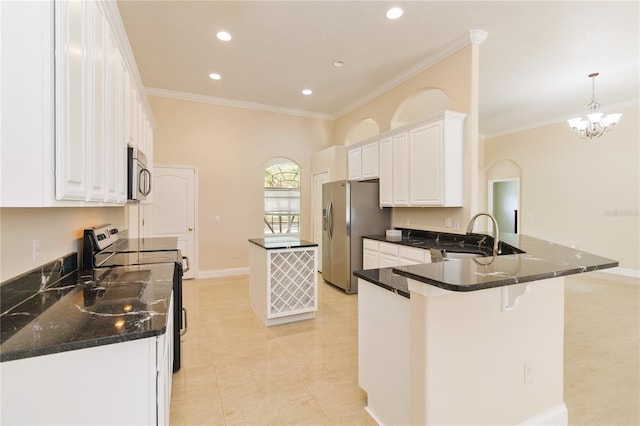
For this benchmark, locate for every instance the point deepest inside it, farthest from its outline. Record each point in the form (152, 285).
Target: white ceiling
(533, 64)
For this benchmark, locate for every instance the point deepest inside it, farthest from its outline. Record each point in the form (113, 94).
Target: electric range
(103, 248)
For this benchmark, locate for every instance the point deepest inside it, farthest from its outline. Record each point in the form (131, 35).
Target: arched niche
(367, 128)
(418, 105)
(503, 169)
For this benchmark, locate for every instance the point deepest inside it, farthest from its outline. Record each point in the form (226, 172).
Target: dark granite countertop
(273, 243)
(532, 259)
(88, 308)
(386, 278)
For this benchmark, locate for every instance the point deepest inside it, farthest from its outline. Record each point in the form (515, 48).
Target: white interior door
(318, 180)
(172, 213)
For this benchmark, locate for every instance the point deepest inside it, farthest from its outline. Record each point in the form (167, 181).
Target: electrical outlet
(35, 252)
(528, 373)
(447, 222)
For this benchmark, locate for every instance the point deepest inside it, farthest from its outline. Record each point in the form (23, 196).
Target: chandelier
(595, 124)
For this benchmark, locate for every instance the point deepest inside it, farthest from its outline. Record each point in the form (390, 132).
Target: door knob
(190, 229)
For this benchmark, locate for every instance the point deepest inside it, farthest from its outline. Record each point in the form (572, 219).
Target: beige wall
(576, 192)
(456, 75)
(229, 146)
(58, 230)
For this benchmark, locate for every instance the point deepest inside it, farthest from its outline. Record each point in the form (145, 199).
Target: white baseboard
(219, 273)
(555, 416)
(627, 272)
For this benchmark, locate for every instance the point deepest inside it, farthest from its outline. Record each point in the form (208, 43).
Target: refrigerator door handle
(330, 220)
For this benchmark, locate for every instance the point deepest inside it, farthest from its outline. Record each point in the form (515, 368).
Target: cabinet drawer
(409, 255)
(390, 249)
(368, 244)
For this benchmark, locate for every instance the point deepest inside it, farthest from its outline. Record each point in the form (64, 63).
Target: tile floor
(235, 371)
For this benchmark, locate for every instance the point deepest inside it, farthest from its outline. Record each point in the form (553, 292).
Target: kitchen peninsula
(474, 341)
(283, 282)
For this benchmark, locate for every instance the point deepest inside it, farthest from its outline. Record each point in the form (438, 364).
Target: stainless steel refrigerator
(350, 210)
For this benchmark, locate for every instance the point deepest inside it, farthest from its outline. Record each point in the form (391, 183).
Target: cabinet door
(354, 163)
(370, 259)
(369, 254)
(96, 99)
(370, 160)
(385, 169)
(426, 164)
(71, 86)
(400, 170)
(388, 255)
(116, 169)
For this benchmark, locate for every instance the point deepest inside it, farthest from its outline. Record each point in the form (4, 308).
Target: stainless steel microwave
(138, 175)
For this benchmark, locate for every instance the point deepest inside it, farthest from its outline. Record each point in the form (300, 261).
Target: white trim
(373, 416)
(219, 273)
(627, 272)
(192, 97)
(472, 36)
(558, 415)
(438, 55)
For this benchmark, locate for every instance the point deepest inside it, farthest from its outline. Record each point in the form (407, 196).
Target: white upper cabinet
(426, 170)
(64, 107)
(72, 102)
(436, 160)
(385, 167)
(370, 160)
(362, 161)
(354, 163)
(400, 170)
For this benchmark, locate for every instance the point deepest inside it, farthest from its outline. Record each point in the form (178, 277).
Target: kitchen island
(283, 280)
(87, 347)
(475, 341)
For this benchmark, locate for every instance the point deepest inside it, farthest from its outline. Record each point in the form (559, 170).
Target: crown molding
(192, 97)
(473, 36)
(607, 109)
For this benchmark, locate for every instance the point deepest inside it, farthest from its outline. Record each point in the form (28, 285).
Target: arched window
(281, 197)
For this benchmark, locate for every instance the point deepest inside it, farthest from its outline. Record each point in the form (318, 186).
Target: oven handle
(188, 265)
(186, 324)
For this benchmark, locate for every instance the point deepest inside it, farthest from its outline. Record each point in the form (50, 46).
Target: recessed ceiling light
(307, 92)
(223, 35)
(339, 63)
(394, 13)
(215, 76)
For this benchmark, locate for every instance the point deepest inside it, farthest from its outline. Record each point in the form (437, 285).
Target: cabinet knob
(190, 229)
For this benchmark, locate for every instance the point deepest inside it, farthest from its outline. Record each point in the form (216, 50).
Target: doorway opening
(504, 203)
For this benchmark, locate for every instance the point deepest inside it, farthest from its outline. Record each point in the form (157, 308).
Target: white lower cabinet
(379, 254)
(369, 254)
(125, 383)
(413, 256)
(387, 255)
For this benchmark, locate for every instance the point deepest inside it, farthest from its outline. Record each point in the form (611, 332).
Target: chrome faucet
(495, 229)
